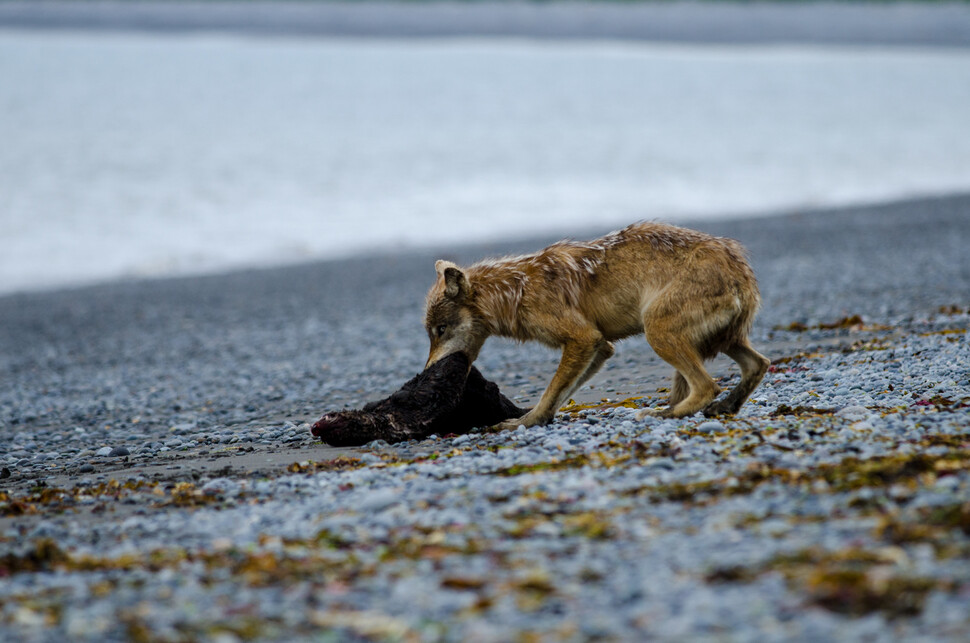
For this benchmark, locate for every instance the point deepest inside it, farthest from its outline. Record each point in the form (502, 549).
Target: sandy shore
(200, 389)
(284, 345)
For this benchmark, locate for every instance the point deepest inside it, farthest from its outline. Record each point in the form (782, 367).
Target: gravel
(833, 507)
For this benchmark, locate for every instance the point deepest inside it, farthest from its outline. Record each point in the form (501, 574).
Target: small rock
(221, 487)
(948, 482)
(712, 426)
(378, 500)
(119, 451)
(900, 492)
(853, 413)
(103, 451)
(85, 468)
(556, 443)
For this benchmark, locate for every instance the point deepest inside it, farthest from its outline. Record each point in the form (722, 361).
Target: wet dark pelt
(439, 400)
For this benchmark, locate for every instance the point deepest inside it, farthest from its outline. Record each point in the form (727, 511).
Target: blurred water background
(130, 154)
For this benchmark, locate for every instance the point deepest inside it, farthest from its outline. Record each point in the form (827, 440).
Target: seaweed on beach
(445, 398)
(849, 322)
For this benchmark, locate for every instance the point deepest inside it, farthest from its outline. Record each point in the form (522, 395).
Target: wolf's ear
(456, 283)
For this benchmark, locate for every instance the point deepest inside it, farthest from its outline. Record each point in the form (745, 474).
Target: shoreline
(510, 245)
(936, 24)
(146, 355)
(158, 471)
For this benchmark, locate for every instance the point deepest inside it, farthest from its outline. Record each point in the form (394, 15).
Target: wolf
(693, 296)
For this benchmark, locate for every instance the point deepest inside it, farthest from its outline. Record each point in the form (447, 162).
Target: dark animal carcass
(445, 398)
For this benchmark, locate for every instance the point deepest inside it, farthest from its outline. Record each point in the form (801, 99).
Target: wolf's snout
(433, 357)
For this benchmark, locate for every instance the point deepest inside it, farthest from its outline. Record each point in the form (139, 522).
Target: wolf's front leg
(576, 359)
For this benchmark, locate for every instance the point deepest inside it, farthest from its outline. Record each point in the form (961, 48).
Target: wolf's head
(451, 317)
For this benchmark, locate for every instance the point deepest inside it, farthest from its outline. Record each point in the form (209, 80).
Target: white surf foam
(143, 155)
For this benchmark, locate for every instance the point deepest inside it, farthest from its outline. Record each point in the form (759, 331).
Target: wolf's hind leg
(690, 366)
(753, 365)
(679, 390)
(671, 332)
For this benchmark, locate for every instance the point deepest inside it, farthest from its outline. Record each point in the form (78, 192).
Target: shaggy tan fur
(693, 295)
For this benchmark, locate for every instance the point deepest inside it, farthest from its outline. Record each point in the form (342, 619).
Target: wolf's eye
(440, 330)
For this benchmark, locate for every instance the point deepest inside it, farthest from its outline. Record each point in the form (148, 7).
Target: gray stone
(711, 426)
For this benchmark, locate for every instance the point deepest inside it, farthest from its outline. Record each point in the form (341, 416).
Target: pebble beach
(159, 481)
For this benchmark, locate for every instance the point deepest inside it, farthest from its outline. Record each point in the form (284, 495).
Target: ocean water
(145, 154)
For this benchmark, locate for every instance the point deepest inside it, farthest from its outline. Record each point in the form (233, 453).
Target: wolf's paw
(643, 414)
(719, 408)
(508, 425)
(527, 420)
